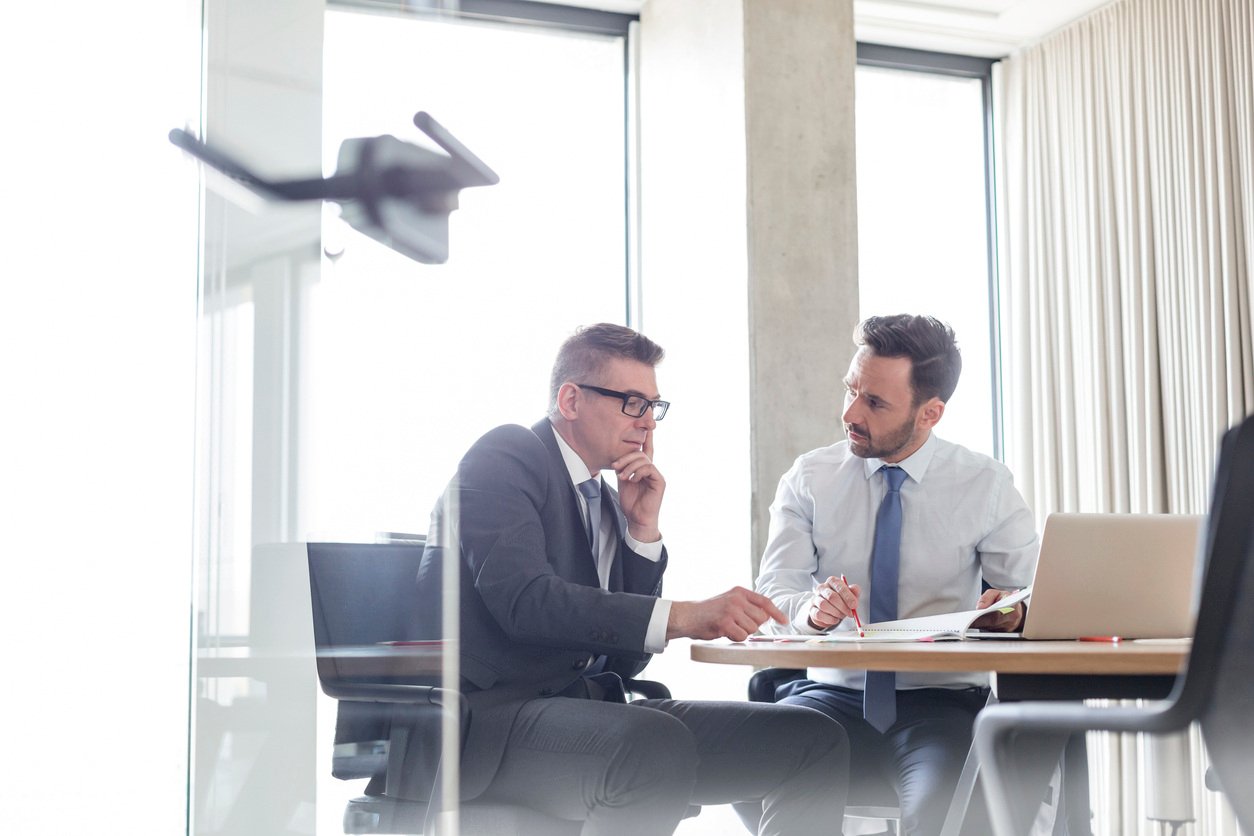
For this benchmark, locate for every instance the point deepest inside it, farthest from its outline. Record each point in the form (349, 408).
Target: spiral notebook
(950, 626)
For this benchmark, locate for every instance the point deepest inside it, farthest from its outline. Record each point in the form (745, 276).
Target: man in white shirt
(955, 525)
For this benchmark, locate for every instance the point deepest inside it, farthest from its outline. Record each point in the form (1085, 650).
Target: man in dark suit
(560, 578)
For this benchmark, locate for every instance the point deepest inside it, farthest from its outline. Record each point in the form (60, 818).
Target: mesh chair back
(1222, 661)
(362, 594)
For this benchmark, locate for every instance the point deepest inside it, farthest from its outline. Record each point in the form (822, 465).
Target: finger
(821, 619)
(635, 467)
(750, 622)
(736, 618)
(768, 607)
(734, 630)
(624, 462)
(761, 615)
(647, 447)
(836, 602)
(847, 595)
(831, 611)
(639, 471)
(989, 598)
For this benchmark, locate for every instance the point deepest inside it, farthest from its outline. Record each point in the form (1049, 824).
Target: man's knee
(655, 755)
(821, 736)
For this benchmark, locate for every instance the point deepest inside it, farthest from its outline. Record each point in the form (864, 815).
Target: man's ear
(930, 413)
(568, 401)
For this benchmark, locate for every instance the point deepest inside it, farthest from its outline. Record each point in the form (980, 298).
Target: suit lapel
(577, 530)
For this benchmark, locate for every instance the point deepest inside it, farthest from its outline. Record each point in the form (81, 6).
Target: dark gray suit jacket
(532, 609)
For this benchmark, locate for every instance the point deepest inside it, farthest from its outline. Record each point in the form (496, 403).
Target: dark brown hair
(935, 362)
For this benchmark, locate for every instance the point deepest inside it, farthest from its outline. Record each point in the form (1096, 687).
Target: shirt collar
(915, 464)
(574, 465)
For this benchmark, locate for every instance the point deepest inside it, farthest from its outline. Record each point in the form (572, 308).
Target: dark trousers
(634, 769)
(921, 754)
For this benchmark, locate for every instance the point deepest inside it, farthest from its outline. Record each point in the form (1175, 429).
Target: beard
(884, 446)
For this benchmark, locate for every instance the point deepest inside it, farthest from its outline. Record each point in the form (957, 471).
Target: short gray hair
(584, 354)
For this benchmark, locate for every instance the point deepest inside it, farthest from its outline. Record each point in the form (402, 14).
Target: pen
(856, 620)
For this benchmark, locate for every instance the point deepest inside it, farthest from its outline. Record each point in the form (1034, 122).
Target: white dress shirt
(962, 520)
(655, 635)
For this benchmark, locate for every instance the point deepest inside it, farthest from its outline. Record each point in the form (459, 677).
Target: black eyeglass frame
(657, 406)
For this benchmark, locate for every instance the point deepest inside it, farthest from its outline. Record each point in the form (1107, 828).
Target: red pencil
(856, 620)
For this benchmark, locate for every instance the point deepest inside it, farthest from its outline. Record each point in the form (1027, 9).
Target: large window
(408, 364)
(923, 232)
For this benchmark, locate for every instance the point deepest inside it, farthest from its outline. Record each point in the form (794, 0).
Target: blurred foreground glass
(339, 388)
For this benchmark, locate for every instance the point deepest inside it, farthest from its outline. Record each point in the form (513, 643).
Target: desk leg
(962, 794)
(966, 786)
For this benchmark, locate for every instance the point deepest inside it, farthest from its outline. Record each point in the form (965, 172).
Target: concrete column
(803, 246)
(749, 242)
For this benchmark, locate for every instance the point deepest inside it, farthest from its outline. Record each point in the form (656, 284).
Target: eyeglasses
(634, 405)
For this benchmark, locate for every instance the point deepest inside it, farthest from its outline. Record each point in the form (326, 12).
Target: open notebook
(950, 625)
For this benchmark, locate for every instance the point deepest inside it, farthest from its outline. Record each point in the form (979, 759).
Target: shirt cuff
(649, 551)
(655, 636)
(801, 624)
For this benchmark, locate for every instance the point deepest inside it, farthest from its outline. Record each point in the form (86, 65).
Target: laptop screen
(1126, 575)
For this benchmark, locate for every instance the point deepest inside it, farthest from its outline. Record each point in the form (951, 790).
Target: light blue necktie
(879, 700)
(591, 490)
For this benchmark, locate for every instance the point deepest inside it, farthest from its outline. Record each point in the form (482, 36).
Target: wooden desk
(1023, 669)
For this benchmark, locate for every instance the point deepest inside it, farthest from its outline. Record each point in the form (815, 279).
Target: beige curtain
(1125, 168)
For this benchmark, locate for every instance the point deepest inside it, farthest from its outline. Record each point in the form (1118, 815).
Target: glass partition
(341, 381)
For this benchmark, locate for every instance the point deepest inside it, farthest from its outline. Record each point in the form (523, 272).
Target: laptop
(1107, 575)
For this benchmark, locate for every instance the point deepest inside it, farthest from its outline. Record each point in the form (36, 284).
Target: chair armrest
(394, 693)
(1018, 745)
(1071, 717)
(647, 688)
(762, 684)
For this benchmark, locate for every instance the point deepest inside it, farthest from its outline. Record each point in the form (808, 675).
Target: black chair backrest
(1220, 678)
(362, 594)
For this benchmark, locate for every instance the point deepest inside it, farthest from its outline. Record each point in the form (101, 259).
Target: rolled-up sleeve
(1008, 552)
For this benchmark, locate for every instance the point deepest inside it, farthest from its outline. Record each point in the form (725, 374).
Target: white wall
(97, 358)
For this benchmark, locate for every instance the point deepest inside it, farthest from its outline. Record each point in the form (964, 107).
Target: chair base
(380, 814)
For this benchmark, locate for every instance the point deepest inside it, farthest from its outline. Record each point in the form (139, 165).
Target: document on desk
(952, 626)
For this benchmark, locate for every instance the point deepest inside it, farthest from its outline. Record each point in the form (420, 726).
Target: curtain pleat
(1125, 177)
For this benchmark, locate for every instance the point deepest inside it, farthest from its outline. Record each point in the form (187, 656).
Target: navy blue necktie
(879, 700)
(591, 490)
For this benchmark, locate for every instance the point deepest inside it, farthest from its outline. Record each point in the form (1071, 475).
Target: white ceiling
(988, 28)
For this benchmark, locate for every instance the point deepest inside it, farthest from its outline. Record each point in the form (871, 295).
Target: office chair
(1016, 742)
(870, 796)
(360, 598)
